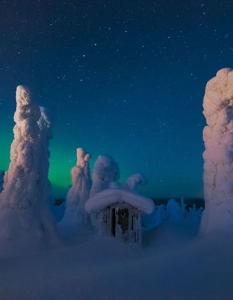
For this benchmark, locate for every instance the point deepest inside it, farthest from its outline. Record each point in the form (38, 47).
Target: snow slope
(173, 263)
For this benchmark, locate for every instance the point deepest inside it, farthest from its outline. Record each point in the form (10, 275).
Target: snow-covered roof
(110, 196)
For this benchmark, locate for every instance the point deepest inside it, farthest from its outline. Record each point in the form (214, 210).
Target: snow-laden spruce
(106, 171)
(218, 154)
(79, 191)
(24, 207)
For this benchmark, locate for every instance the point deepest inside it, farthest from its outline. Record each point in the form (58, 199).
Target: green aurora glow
(62, 160)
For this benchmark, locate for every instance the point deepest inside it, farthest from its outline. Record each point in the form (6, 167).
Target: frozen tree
(154, 219)
(161, 214)
(174, 210)
(79, 191)
(24, 208)
(134, 180)
(105, 175)
(105, 172)
(195, 214)
(218, 154)
(183, 207)
(44, 136)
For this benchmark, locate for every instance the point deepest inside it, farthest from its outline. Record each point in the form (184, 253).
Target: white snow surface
(218, 154)
(113, 195)
(174, 263)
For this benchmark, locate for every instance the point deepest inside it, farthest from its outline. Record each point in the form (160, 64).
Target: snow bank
(218, 154)
(110, 196)
(173, 265)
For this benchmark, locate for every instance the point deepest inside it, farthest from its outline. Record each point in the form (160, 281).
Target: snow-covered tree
(218, 154)
(106, 171)
(135, 180)
(173, 210)
(44, 136)
(79, 191)
(105, 175)
(24, 208)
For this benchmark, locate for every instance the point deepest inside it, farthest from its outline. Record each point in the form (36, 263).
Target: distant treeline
(199, 202)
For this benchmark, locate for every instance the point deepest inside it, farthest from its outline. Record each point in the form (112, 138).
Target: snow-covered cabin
(119, 213)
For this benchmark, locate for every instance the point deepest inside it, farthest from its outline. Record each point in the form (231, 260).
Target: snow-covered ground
(174, 262)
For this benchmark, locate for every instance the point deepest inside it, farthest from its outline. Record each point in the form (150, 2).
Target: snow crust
(110, 196)
(218, 154)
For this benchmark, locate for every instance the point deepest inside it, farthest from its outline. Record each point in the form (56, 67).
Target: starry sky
(123, 78)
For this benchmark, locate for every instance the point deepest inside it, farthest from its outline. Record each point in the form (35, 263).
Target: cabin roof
(110, 196)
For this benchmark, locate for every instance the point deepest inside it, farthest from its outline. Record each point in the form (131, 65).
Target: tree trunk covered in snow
(24, 201)
(218, 154)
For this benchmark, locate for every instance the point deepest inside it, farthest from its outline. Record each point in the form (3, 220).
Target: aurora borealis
(124, 78)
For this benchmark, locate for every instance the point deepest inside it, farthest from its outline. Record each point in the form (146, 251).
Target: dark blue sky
(124, 78)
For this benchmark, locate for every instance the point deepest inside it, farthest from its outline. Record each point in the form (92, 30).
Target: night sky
(124, 78)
